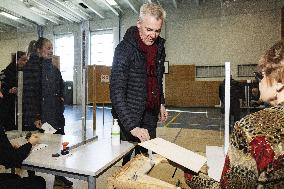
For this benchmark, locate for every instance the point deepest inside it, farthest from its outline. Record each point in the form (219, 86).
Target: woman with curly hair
(255, 158)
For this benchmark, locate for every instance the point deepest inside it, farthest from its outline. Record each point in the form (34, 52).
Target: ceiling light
(111, 2)
(9, 16)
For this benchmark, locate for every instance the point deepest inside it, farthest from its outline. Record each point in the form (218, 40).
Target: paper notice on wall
(48, 128)
(175, 153)
(105, 78)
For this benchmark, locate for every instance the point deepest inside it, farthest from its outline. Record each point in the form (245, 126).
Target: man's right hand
(38, 124)
(34, 139)
(140, 133)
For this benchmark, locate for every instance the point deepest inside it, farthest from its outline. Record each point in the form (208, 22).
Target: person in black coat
(9, 85)
(136, 85)
(235, 96)
(12, 157)
(43, 89)
(2, 110)
(43, 94)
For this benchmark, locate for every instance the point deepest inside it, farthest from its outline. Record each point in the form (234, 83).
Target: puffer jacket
(42, 93)
(128, 84)
(32, 91)
(52, 105)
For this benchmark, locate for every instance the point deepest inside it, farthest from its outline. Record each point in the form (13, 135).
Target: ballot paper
(175, 153)
(215, 161)
(48, 128)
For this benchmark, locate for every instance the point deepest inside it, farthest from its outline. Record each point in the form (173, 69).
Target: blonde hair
(152, 9)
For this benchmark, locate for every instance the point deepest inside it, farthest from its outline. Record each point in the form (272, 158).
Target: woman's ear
(138, 23)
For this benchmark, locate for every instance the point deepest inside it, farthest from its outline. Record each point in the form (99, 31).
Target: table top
(89, 159)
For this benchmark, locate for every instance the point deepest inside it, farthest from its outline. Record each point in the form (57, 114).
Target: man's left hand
(13, 90)
(163, 113)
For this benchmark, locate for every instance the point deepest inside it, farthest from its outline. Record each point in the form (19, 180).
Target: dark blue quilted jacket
(42, 93)
(32, 91)
(128, 84)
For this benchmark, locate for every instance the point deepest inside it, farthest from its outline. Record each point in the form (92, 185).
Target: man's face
(22, 61)
(149, 29)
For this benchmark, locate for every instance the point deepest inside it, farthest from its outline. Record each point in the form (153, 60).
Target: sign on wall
(104, 78)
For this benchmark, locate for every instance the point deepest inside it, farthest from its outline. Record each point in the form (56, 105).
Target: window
(64, 48)
(209, 71)
(102, 47)
(246, 70)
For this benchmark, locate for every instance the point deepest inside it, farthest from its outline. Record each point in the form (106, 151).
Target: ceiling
(28, 13)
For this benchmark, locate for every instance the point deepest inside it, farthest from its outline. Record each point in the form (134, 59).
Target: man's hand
(34, 139)
(13, 90)
(38, 124)
(140, 133)
(1, 95)
(163, 113)
(15, 145)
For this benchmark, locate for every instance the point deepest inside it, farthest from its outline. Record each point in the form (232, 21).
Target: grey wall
(12, 42)
(208, 34)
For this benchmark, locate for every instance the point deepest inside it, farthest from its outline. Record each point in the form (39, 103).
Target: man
(136, 86)
(2, 111)
(235, 96)
(254, 98)
(9, 88)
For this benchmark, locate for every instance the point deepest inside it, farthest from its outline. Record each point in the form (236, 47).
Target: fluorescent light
(9, 16)
(111, 2)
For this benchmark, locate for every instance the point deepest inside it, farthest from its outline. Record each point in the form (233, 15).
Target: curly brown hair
(272, 62)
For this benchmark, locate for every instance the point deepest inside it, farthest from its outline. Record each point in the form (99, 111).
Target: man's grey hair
(152, 9)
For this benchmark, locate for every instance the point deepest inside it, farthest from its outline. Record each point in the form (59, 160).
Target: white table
(85, 162)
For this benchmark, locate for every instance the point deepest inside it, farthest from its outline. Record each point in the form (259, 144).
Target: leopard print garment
(255, 158)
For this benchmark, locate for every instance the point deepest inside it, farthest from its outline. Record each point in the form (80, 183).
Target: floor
(192, 128)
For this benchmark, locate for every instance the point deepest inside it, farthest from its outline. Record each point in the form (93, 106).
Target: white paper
(39, 146)
(175, 153)
(215, 161)
(48, 128)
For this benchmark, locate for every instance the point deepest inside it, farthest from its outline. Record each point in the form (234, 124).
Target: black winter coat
(42, 93)
(128, 84)
(8, 81)
(52, 107)
(32, 91)
(11, 157)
